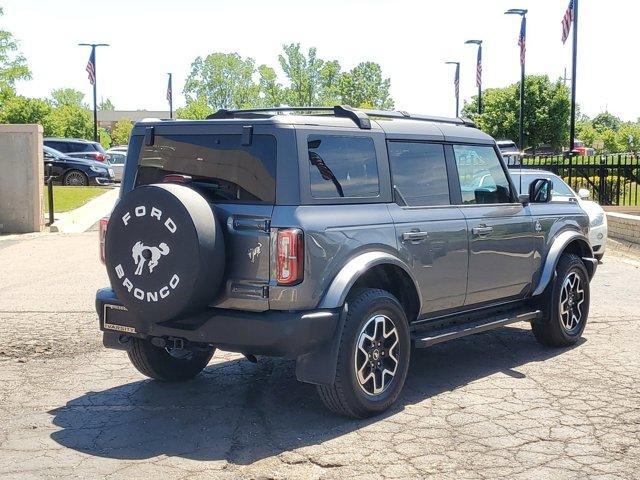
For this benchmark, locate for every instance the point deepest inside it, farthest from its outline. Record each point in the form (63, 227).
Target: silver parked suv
(338, 237)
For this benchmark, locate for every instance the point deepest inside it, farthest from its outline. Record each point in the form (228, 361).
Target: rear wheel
(373, 356)
(75, 178)
(565, 304)
(168, 365)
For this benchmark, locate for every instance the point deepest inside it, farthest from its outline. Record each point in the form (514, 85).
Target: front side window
(482, 178)
(342, 167)
(419, 173)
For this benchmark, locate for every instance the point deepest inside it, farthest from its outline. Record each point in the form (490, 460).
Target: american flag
(522, 39)
(169, 91)
(91, 67)
(566, 22)
(479, 68)
(456, 81)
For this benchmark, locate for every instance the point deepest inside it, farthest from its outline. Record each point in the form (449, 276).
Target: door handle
(415, 236)
(483, 230)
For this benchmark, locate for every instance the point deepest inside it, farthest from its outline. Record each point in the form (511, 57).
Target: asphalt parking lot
(495, 405)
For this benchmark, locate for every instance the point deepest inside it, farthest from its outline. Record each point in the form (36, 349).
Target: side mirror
(524, 199)
(540, 190)
(584, 194)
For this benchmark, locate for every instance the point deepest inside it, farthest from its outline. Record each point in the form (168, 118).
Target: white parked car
(117, 159)
(564, 193)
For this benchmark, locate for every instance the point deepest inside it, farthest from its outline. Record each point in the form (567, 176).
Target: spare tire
(164, 252)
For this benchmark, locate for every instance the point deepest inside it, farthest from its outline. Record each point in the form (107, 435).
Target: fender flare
(553, 256)
(319, 366)
(354, 268)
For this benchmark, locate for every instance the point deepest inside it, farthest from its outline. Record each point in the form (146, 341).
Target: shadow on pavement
(241, 412)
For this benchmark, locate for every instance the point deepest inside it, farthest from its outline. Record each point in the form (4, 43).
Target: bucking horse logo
(141, 253)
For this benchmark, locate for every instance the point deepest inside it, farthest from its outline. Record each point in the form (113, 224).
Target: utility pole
(92, 72)
(456, 85)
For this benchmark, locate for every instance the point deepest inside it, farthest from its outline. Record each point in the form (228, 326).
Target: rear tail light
(101, 157)
(176, 178)
(102, 232)
(289, 256)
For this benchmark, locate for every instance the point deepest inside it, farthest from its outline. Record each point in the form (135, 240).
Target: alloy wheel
(376, 356)
(75, 179)
(572, 298)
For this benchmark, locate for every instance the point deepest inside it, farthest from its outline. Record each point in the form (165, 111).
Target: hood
(591, 208)
(85, 161)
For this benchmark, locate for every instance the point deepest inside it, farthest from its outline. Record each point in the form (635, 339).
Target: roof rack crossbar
(359, 116)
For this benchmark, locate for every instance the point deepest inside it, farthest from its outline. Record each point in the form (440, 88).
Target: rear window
(220, 167)
(342, 167)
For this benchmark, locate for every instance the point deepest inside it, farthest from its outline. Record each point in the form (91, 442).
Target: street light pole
(456, 85)
(522, 38)
(478, 71)
(91, 70)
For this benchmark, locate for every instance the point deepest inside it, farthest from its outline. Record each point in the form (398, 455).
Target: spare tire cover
(164, 252)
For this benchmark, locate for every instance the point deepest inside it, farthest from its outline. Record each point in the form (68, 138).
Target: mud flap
(319, 366)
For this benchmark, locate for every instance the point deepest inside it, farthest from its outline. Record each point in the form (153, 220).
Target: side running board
(427, 338)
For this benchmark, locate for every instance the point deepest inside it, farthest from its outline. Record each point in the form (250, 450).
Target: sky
(411, 40)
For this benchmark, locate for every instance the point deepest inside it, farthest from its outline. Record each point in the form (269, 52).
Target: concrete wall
(623, 226)
(21, 178)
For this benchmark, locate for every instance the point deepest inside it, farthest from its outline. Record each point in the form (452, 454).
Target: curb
(83, 218)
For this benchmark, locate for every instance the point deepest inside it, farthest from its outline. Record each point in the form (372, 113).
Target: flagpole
(456, 85)
(572, 125)
(170, 95)
(522, 42)
(95, 83)
(478, 71)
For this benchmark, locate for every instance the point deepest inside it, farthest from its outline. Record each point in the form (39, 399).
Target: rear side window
(220, 166)
(482, 178)
(419, 174)
(342, 167)
(60, 146)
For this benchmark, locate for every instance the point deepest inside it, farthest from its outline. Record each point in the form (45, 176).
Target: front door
(499, 229)
(431, 233)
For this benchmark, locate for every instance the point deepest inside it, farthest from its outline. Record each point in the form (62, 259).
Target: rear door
(237, 176)
(431, 232)
(500, 229)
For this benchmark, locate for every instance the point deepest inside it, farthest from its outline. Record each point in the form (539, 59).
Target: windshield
(560, 188)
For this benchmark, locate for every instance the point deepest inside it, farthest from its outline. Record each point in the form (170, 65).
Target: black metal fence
(612, 179)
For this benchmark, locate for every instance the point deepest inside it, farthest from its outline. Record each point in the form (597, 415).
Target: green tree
(313, 81)
(67, 96)
(223, 80)
(104, 137)
(630, 137)
(606, 121)
(546, 113)
(19, 109)
(70, 121)
(13, 66)
(121, 131)
(106, 105)
(364, 86)
(272, 93)
(194, 110)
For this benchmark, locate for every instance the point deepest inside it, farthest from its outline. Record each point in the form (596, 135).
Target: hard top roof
(395, 124)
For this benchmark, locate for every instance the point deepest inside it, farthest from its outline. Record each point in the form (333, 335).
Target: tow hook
(169, 343)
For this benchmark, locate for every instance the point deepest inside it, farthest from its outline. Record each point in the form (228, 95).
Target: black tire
(347, 396)
(157, 363)
(553, 330)
(75, 178)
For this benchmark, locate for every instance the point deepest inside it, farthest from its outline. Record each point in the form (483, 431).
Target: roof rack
(359, 116)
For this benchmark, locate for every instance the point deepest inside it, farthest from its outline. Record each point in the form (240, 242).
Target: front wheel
(75, 178)
(565, 304)
(373, 356)
(168, 365)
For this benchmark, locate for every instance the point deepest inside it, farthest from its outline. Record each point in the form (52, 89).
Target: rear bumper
(274, 333)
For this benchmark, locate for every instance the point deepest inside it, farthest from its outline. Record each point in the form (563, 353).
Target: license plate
(111, 172)
(117, 317)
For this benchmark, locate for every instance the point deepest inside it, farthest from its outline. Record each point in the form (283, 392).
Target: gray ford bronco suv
(338, 237)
